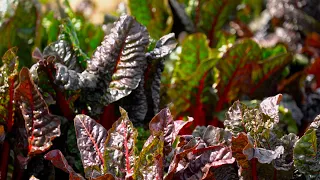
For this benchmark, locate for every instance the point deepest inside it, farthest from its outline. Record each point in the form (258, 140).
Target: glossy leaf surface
(91, 138)
(119, 151)
(42, 127)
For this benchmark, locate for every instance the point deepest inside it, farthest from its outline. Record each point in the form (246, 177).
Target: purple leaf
(91, 138)
(119, 152)
(59, 161)
(42, 127)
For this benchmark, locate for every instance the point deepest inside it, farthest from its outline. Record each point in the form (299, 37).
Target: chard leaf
(119, 147)
(163, 123)
(154, 14)
(240, 118)
(64, 53)
(210, 16)
(8, 75)
(235, 69)
(91, 138)
(270, 107)
(16, 31)
(164, 47)
(42, 127)
(59, 161)
(306, 153)
(180, 13)
(189, 70)
(239, 144)
(118, 65)
(244, 71)
(152, 75)
(136, 105)
(149, 165)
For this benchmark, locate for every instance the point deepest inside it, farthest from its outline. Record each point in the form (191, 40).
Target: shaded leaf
(42, 127)
(119, 151)
(91, 138)
(59, 161)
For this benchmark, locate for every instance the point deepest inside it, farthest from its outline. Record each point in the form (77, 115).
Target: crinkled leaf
(270, 107)
(136, 105)
(149, 165)
(8, 73)
(163, 123)
(64, 53)
(152, 74)
(306, 152)
(240, 118)
(236, 67)
(240, 143)
(119, 147)
(214, 136)
(180, 154)
(195, 159)
(164, 47)
(42, 127)
(91, 138)
(118, 64)
(59, 161)
(154, 14)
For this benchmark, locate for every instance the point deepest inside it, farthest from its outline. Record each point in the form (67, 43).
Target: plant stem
(5, 154)
(254, 169)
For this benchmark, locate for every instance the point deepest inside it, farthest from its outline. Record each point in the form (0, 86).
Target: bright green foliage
(210, 16)
(194, 60)
(154, 14)
(307, 152)
(8, 75)
(15, 30)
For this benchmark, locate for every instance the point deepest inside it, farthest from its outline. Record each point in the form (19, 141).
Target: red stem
(214, 23)
(196, 20)
(5, 154)
(198, 112)
(10, 104)
(254, 169)
(108, 117)
(60, 98)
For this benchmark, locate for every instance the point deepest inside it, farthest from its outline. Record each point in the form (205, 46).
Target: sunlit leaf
(119, 151)
(42, 127)
(154, 14)
(91, 138)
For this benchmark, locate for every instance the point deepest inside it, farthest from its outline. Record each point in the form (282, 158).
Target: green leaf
(15, 30)
(154, 14)
(194, 61)
(149, 164)
(210, 16)
(306, 152)
(119, 151)
(8, 76)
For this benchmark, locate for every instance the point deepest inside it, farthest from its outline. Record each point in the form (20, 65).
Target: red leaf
(59, 161)
(42, 127)
(91, 138)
